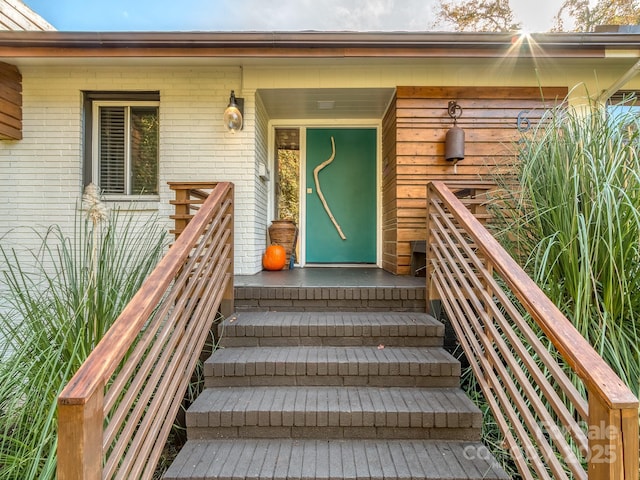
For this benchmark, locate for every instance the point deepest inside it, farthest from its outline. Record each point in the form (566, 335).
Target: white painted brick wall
(41, 175)
(262, 186)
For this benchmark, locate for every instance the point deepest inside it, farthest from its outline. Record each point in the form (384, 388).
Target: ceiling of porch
(326, 103)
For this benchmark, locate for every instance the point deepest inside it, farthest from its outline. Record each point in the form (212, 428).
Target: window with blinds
(112, 152)
(623, 102)
(124, 158)
(624, 107)
(624, 98)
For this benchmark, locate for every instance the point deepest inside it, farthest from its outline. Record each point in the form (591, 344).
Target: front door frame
(303, 125)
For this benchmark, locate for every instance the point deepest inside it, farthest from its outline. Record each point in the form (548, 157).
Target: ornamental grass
(57, 303)
(573, 222)
(569, 213)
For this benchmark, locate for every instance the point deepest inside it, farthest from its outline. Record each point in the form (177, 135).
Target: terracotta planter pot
(285, 233)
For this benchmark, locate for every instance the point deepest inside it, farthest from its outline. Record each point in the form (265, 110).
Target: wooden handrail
(115, 414)
(498, 313)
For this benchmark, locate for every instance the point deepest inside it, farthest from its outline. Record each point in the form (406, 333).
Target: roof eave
(312, 44)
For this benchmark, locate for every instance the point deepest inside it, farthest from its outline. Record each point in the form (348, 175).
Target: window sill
(133, 203)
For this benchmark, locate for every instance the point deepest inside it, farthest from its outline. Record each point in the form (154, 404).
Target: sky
(263, 15)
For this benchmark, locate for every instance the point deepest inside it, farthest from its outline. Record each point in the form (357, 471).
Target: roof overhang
(312, 45)
(617, 50)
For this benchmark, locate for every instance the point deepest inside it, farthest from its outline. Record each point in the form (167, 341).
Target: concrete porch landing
(329, 289)
(329, 277)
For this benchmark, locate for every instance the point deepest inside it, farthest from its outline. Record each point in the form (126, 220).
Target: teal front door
(340, 195)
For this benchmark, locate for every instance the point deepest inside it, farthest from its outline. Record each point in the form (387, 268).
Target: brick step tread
(299, 411)
(336, 294)
(350, 328)
(226, 459)
(311, 365)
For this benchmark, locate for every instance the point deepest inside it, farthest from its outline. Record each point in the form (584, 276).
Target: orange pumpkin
(274, 257)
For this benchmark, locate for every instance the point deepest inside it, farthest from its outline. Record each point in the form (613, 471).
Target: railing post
(181, 210)
(430, 289)
(613, 441)
(80, 438)
(227, 306)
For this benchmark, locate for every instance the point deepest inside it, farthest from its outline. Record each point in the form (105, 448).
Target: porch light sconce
(233, 113)
(454, 140)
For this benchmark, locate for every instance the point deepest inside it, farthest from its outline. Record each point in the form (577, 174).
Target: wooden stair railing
(116, 413)
(562, 410)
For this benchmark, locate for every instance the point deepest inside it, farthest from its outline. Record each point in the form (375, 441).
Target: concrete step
(334, 412)
(334, 328)
(327, 365)
(333, 459)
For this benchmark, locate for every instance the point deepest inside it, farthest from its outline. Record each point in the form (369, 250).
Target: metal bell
(454, 144)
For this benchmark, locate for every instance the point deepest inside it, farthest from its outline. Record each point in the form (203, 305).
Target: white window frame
(95, 147)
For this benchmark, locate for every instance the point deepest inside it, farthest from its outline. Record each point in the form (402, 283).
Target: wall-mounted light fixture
(454, 140)
(233, 113)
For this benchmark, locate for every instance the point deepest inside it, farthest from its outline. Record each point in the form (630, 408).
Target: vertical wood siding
(414, 130)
